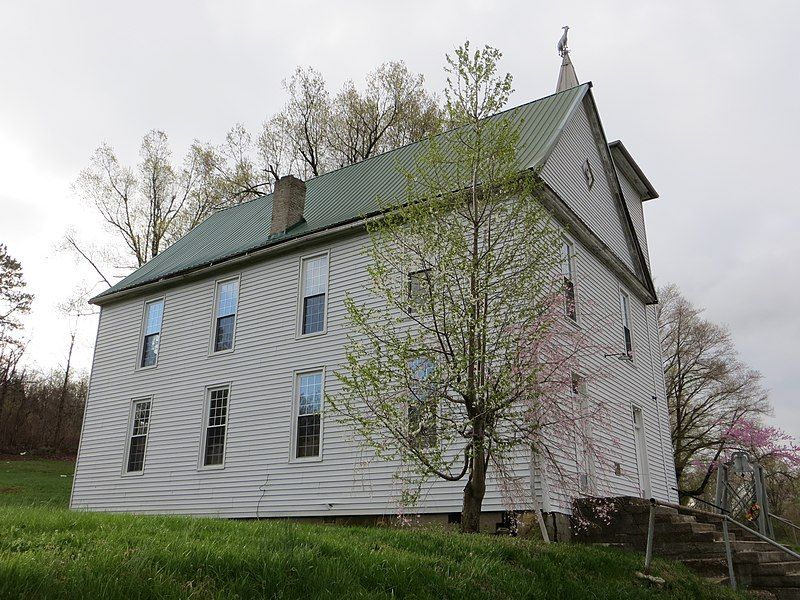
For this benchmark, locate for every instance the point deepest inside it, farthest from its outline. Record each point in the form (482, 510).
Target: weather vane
(562, 43)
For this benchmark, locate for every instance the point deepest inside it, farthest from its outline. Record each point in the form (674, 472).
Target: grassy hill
(47, 552)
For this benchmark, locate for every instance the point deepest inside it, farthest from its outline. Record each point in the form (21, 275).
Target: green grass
(35, 482)
(47, 552)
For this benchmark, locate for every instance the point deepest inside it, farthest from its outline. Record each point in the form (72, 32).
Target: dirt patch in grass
(10, 490)
(35, 456)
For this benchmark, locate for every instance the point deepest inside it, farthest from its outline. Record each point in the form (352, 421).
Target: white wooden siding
(636, 210)
(258, 478)
(597, 207)
(259, 415)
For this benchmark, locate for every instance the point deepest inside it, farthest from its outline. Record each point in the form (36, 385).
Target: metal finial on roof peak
(562, 43)
(567, 78)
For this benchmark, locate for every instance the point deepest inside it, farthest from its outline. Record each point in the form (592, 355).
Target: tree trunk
(62, 399)
(474, 492)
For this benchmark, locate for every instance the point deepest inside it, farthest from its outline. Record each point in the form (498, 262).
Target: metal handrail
(794, 527)
(787, 521)
(725, 534)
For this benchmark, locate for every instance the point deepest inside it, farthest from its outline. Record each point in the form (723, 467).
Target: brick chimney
(288, 201)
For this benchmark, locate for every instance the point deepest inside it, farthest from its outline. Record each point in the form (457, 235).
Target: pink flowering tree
(463, 358)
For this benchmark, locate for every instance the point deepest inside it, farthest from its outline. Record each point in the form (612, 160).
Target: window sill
(305, 459)
(212, 353)
(303, 336)
(202, 468)
(133, 473)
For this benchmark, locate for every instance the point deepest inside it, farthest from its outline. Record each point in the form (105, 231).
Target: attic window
(588, 175)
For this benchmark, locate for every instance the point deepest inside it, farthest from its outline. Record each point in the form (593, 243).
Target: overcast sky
(704, 95)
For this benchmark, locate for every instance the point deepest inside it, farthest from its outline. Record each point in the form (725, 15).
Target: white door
(641, 453)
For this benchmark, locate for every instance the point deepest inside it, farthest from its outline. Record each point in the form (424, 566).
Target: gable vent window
(153, 315)
(308, 408)
(227, 297)
(314, 283)
(588, 174)
(568, 272)
(625, 314)
(216, 424)
(140, 424)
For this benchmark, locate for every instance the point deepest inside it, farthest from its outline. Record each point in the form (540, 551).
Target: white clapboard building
(203, 354)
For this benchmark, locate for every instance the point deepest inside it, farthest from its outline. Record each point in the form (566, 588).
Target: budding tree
(709, 390)
(466, 360)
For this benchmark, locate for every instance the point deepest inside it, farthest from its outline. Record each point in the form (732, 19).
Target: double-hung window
(137, 442)
(568, 272)
(308, 414)
(583, 434)
(215, 425)
(625, 314)
(422, 404)
(419, 288)
(314, 288)
(227, 296)
(153, 315)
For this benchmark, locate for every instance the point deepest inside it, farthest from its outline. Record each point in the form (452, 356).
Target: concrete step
(789, 567)
(754, 556)
(775, 581)
(786, 593)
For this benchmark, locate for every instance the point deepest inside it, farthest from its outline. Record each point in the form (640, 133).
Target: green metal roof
(337, 197)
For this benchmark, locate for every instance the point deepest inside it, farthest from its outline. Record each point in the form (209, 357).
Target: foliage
(461, 360)
(151, 205)
(40, 410)
(709, 389)
(14, 300)
(49, 553)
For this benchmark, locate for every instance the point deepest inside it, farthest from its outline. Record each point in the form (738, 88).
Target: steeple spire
(566, 75)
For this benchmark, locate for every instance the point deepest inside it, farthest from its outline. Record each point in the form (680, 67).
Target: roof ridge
(441, 133)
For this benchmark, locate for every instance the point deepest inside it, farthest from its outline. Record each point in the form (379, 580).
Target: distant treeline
(39, 411)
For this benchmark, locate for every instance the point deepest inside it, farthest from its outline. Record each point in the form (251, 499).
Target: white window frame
(642, 454)
(201, 466)
(622, 314)
(143, 332)
(569, 270)
(436, 442)
(296, 375)
(584, 400)
(129, 433)
(301, 295)
(215, 306)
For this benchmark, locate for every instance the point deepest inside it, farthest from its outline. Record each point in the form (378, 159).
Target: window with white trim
(216, 425)
(308, 411)
(140, 424)
(625, 314)
(568, 272)
(314, 287)
(153, 315)
(422, 404)
(584, 435)
(419, 287)
(227, 298)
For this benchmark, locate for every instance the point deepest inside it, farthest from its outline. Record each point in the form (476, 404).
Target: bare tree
(394, 110)
(709, 389)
